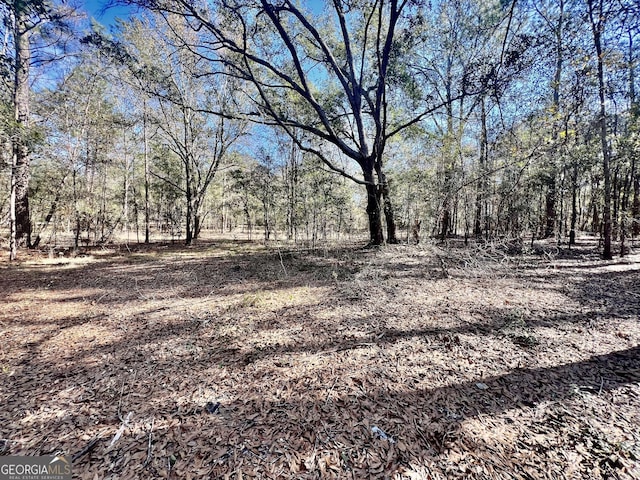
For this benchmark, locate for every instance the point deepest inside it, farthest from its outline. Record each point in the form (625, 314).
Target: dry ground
(233, 360)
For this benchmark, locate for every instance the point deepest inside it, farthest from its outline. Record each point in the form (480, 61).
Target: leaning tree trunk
(197, 226)
(20, 148)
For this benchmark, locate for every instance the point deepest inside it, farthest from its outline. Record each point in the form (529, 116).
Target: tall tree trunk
(635, 178)
(385, 193)
(551, 197)
(103, 205)
(146, 173)
(389, 216)
(562, 221)
(376, 237)
(635, 206)
(76, 212)
(20, 171)
(597, 27)
(446, 219)
(624, 208)
(595, 214)
(13, 244)
(616, 188)
(292, 192)
(482, 183)
(189, 227)
(448, 154)
(574, 204)
(550, 205)
(197, 226)
(125, 186)
(190, 213)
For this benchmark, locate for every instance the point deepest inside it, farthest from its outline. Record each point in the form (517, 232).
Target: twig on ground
(149, 446)
(87, 448)
(330, 391)
(282, 263)
(601, 385)
(420, 433)
(119, 411)
(121, 430)
(4, 445)
(135, 373)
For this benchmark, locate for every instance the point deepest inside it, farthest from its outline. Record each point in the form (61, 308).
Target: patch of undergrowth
(515, 328)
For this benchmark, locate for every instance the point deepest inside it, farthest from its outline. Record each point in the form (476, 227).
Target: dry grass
(239, 361)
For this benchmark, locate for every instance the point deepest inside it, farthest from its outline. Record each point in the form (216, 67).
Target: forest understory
(232, 359)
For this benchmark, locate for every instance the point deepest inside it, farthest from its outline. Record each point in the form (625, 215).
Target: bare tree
(179, 102)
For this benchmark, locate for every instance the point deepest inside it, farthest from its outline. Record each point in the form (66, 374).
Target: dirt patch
(234, 360)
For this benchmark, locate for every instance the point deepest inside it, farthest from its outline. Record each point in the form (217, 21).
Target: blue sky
(95, 9)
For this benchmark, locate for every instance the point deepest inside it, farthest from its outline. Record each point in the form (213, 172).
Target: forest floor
(234, 360)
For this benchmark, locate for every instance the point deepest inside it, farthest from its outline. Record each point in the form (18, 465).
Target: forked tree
(334, 82)
(178, 95)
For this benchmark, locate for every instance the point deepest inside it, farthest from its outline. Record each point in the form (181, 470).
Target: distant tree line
(310, 122)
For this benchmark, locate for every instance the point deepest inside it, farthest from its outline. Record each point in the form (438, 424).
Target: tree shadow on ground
(255, 432)
(452, 404)
(193, 273)
(181, 353)
(601, 295)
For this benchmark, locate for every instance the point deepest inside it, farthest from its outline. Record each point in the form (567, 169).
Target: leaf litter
(231, 360)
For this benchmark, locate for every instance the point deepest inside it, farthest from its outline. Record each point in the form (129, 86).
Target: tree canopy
(487, 120)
